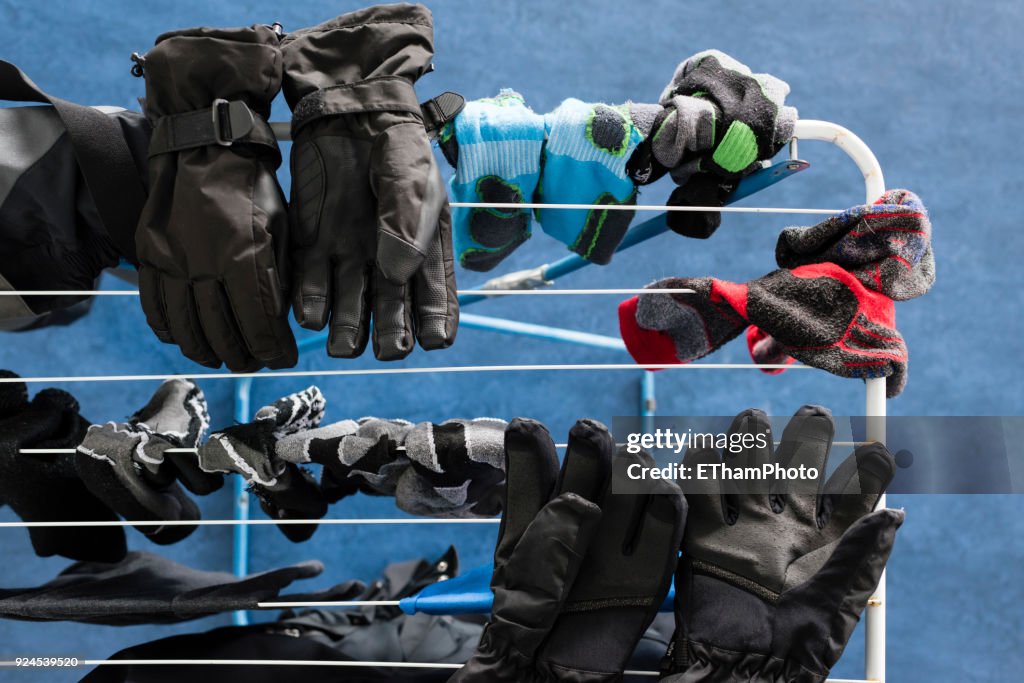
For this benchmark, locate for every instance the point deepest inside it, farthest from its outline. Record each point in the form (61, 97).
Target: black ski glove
(371, 225)
(45, 487)
(577, 580)
(212, 238)
(774, 577)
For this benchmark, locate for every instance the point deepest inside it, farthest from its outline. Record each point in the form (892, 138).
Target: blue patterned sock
(495, 145)
(588, 147)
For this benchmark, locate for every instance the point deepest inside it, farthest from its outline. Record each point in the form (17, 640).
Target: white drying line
(45, 451)
(646, 207)
(48, 451)
(597, 367)
(460, 292)
(329, 603)
(322, 663)
(244, 522)
(285, 662)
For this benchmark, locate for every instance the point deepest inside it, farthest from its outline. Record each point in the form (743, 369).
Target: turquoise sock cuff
(500, 141)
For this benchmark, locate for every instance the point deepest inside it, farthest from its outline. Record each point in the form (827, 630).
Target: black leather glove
(774, 575)
(369, 211)
(212, 239)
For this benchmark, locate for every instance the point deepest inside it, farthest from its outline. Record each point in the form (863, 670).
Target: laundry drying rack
(531, 282)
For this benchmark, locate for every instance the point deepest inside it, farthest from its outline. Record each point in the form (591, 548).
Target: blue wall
(933, 87)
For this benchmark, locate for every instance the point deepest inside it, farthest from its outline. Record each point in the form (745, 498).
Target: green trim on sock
(738, 148)
(672, 114)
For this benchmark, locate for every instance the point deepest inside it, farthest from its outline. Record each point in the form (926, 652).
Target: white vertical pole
(874, 614)
(874, 185)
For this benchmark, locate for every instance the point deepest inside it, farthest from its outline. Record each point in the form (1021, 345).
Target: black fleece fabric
(45, 487)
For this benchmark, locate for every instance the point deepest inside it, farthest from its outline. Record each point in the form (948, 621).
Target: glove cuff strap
(438, 111)
(388, 93)
(223, 123)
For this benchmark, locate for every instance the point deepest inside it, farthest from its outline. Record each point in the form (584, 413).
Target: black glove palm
(773, 579)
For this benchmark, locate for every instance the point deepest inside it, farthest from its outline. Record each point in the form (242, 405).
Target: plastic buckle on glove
(439, 110)
(231, 121)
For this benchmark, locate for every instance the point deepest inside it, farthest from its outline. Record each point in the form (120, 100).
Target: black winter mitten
(774, 576)
(579, 572)
(45, 487)
(369, 211)
(212, 238)
(249, 450)
(128, 464)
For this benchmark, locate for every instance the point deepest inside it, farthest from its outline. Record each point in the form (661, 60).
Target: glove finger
(392, 319)
(410, 198)
(854, 488)
(29, 430)
(806, 442)
(294, 412)
(320, 445)
(262, 319)
(188, 472)
(151, 295)
(532, 587)
(752, 432)
(218, 323)
(840, 589)
(701, 190)
(531, 471)
(373, 452)
(296, 496)
(104, 463)
(312, 290)
(69, 428)
(435, 298)
(587, 466)
(350, 310)
(639, 536)
(702, 490)
(240, 451)
(13, 395)
(183, 319)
